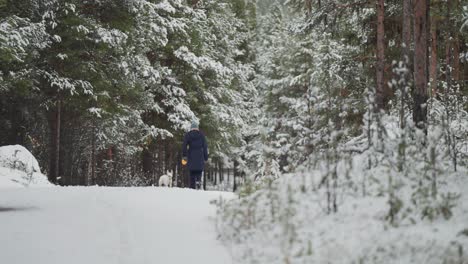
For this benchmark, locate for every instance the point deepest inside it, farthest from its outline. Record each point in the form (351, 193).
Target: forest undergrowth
(388, 193)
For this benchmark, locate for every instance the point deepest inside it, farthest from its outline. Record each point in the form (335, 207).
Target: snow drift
(19, 168)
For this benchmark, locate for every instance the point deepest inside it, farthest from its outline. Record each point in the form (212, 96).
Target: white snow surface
(19, 168)
(109, 225)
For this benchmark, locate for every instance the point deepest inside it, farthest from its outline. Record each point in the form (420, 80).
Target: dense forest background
(101, 91)
(342, 125)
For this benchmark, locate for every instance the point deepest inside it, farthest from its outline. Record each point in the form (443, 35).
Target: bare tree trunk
(448, 50)
(93, 155)
(455, 45)
(335, 188)
(54, 156)
(456, 58)
(406, 58)
(177, 168)
(380, 54)
(407, 11)
(147, 164)
(234, 186)
(110, 153)
(57, 139)
(228, 178)
(420, 64)
(308, 6)
(167, 158)
(175, 160)
(433, 69)
(428, 34)
(451, 74)
(221, 172)
(216, 174)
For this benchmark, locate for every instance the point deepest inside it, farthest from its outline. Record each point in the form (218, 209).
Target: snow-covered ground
(109, 225)
(96, 225)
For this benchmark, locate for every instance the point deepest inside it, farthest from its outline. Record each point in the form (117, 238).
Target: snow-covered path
(109, 225)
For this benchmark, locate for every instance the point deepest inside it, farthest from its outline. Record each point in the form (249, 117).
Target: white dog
(166, 180)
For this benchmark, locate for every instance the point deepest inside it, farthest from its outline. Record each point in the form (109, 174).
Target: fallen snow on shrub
(19, 168)
(287, 223)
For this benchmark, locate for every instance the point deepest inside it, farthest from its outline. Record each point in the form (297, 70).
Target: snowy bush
(282, 224)
(18, 158)
(18, 167)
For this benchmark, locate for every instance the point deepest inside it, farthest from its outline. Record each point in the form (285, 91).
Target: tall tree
(380, 54)
(406, 32)
(406, 57)
(433, 65)
(420, 63)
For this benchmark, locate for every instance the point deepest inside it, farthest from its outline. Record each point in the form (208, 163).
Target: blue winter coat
(195, 150)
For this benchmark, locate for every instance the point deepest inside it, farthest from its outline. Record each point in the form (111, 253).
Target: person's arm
(184, 146)
(205, 149)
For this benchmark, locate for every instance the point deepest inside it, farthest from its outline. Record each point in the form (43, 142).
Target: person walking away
(195, 152)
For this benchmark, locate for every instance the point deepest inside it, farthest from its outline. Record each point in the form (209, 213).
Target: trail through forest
(109, 225)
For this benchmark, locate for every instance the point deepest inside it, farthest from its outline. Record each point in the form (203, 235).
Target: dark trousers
(195, 179)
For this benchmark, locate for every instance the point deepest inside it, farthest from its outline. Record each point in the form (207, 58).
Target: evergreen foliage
(323, 143)
(126, 79)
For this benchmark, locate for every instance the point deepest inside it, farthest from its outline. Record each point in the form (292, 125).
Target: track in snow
(98, 225)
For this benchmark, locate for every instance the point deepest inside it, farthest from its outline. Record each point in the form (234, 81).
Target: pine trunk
(234, 175)
(380, 54)
(308, 6)
(54, 156)
(221, 173)
(407, 11)
(147, 163)
(406, 57)
(448, 47)
(420, 63)
(57, 140)
(433, 70)
(456, 59)
(456, 48)
(216, 174)
(93, 155)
